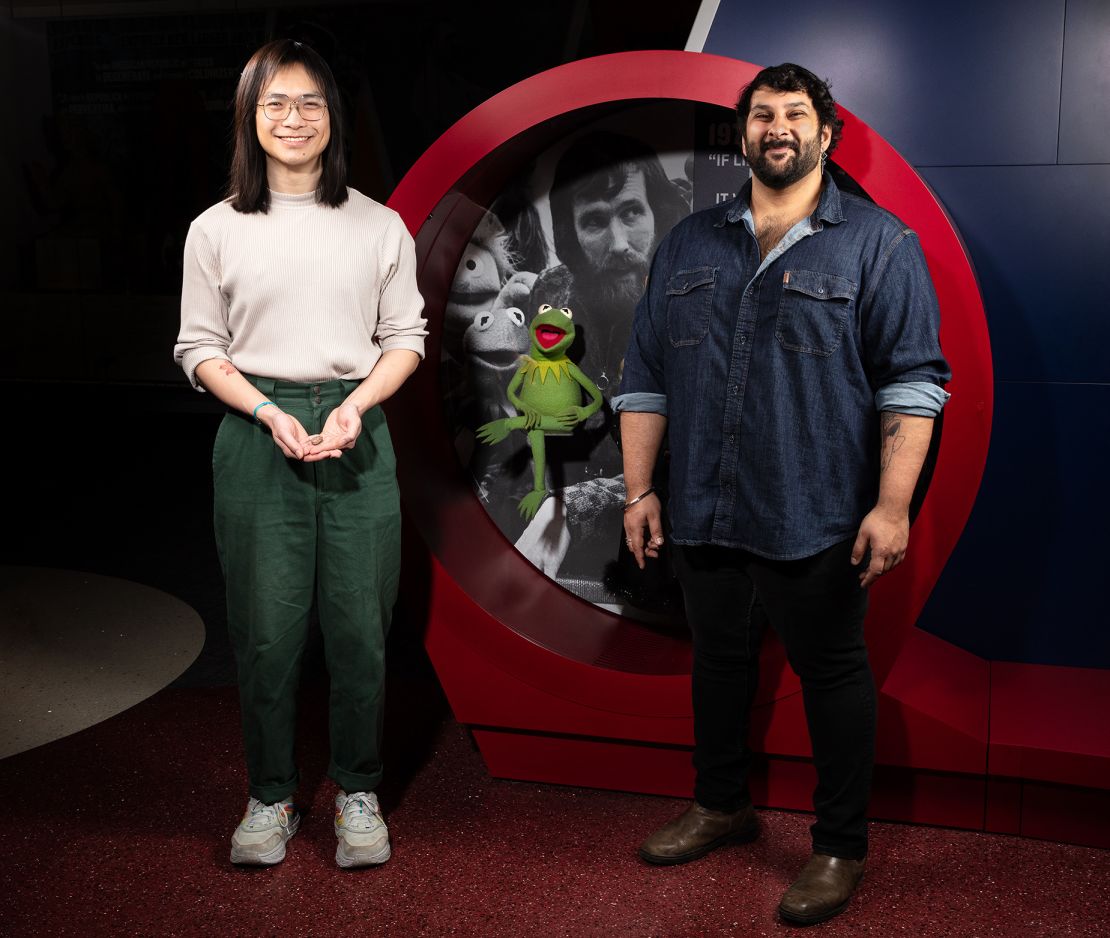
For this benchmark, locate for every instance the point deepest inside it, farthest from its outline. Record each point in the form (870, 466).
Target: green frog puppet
(547, 390)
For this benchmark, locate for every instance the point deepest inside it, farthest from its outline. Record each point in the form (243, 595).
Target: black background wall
(116, 131)
(123, 117)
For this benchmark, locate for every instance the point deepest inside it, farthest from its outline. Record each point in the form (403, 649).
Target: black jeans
(817, 608)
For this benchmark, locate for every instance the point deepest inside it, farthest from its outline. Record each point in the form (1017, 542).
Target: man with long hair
(611, 204)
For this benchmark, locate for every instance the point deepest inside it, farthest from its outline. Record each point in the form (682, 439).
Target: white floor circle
(77, 648)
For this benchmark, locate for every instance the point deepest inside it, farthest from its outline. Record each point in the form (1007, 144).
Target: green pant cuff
(354, 781)
(272, 794)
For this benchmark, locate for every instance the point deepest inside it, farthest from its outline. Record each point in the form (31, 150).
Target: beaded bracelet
(639, 498)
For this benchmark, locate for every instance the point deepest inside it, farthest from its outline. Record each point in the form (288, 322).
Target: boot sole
(795, 919)
(745, 836)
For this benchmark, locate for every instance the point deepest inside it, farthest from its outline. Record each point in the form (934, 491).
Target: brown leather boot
(821, 890)
(697, 831)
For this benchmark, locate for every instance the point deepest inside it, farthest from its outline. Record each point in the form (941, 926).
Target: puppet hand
(494, 431)
(516, 291)
(531, 502)
(532, 418)
(569, 418)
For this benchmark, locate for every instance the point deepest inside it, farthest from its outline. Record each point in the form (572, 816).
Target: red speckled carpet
(123, 830)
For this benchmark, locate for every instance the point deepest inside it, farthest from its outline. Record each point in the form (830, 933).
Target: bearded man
(788, 346)
(611, 203)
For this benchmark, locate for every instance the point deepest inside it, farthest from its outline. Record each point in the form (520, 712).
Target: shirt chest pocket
(814, 311)
(689, 304)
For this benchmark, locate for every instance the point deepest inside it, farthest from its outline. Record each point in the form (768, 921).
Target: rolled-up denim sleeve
(915, 398)
(643, 384)
(900, 321)
(641, 403)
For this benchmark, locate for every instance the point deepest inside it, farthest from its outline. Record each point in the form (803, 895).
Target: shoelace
(264, 815)
(360, 812)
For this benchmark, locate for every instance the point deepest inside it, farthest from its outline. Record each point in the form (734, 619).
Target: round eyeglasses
(310, 106)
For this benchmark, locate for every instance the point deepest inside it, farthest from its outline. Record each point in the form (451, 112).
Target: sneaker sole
(348, 863)
(744, 836)
(242, 857)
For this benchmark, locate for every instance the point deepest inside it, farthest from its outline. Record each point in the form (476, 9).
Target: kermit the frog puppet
(547, 390)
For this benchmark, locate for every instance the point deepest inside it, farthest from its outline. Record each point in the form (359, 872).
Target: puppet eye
(515, 315)
(545, 307)
(483, 321)
(566, 312)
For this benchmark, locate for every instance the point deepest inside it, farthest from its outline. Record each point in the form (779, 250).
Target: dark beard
(609, 298)
(617, 291)
(768, 173)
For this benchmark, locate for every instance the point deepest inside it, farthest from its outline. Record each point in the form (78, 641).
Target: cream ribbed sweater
(304, 293)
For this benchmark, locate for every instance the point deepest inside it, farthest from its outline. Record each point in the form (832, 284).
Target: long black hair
(246, 184)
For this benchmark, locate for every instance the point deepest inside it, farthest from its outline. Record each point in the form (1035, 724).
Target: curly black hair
(791, 77)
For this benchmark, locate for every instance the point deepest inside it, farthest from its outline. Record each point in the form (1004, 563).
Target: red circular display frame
(485, 592)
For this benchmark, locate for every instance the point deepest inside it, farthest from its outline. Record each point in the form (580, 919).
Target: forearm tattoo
(892, 438)
(228, 369)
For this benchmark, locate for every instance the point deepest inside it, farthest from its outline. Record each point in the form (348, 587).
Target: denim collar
(828, 206)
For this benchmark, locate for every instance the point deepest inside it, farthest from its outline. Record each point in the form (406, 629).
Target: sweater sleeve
(400, 323)
(204, 332)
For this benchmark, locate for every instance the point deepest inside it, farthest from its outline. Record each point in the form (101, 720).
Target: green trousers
(287, 533)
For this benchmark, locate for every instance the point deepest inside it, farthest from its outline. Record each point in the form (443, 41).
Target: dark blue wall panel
(1040, 240)
(1004, 108)
(1085, 102)
(1028, 580)
(951, 83)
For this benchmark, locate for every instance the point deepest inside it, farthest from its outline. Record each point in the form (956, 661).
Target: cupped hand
(289, 436)
(339, 433)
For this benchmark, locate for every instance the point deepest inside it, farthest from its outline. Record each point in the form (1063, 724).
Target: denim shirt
(772, 374)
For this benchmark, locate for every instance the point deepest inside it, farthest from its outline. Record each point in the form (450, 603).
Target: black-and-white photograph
(575, 232)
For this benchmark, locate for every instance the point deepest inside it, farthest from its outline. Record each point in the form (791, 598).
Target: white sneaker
(261, 835)
(363, 837)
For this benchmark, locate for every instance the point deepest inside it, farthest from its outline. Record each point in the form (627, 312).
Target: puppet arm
(582, 413)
